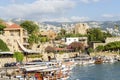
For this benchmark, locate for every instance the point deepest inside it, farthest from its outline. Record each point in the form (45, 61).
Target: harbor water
(107, 71)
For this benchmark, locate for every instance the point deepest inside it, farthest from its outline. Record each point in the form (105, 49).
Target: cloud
(111, 17)
(108, 15)
(58, 19)
(36, 8)
(77, 18)
(65, 19)
(89, 1)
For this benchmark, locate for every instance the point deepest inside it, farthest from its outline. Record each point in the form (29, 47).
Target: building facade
(12, 34)
(50, 34)
(107, 40)
(76, 39)
(81, 28)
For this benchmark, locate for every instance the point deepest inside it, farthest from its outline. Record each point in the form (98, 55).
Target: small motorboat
(98, 61)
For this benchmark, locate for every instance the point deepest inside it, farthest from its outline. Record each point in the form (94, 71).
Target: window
(11, 33)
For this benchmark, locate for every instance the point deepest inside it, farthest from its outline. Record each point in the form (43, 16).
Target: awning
(49, 69)
(25, 49)
(34, 68)
(6, 52)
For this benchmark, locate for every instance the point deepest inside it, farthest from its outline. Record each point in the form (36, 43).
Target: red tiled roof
(14, 26)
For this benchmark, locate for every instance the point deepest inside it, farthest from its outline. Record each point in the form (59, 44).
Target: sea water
(106, 71)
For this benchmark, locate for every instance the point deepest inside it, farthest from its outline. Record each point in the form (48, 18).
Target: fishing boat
(46, 70)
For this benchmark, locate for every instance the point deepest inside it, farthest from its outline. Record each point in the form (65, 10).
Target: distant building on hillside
(50, 34)
(81, 28)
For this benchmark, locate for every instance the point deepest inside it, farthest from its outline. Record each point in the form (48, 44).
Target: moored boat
(47, 70)
(98, 61)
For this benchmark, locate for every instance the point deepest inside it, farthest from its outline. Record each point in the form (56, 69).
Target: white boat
(49, 70)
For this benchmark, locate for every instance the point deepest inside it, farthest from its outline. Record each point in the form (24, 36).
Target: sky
(61, 10)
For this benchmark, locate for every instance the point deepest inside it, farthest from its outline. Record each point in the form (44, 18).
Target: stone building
(50, 34)
(107, 40)
(81, 28)
(12, 34)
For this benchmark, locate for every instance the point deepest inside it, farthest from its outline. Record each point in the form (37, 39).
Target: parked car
(7, 65)
(12, 64)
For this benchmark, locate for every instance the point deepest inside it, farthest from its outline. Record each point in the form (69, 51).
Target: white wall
(70, 40)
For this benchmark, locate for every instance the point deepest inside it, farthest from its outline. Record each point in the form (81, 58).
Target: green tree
(2, 28)
(58, 37)
(43, 39)
(19, 56)
(90, 50)
(100, 48)
(70, 35)
(95, 34)
(62, 32)
(107, 34)
(113, 46)
(33, 39)
(73, 35)
(3, 46)
(33, 31)
(30, 26)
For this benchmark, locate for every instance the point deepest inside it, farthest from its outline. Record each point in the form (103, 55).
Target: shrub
(35, 56)
(19, 56)
(3, 46)
(100, 48)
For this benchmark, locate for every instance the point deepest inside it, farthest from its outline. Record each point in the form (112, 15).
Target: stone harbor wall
(44, 57)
